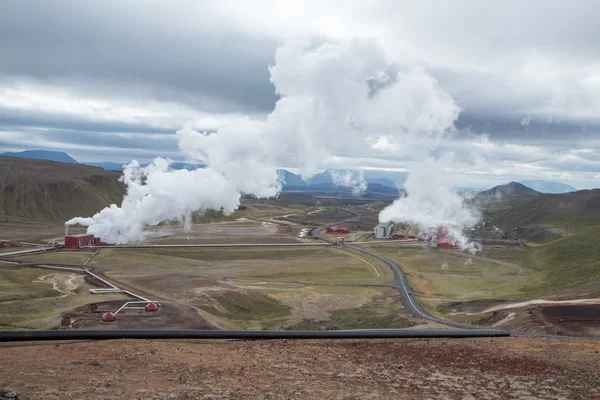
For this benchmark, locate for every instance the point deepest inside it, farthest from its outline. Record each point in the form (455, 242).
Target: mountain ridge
(48, 155)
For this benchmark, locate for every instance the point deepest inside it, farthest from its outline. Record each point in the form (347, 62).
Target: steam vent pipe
(19, 336)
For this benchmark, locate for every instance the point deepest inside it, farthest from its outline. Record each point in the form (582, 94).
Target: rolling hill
(579, 209)
(502, 195)
(54, 191)
(562, 232)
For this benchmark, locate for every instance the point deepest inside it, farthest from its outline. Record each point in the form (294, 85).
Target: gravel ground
(484, 368)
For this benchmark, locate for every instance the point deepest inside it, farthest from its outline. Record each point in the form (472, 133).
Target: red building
(76, 241)
(412, 237)
(445, 243)
(335, 229)
(96, 241)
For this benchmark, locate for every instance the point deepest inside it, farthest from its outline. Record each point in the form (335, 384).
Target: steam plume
(431, 201)
(356, 182)
(335, 99)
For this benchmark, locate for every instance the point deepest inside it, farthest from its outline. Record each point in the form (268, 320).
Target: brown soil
(507, 368)
(576, 318)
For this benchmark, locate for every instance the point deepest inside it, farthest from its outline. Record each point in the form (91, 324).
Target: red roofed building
(445, 243)
(335, 229)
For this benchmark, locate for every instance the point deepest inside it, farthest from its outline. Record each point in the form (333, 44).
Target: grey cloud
(193, 56)
(88, 47)
(20, 118)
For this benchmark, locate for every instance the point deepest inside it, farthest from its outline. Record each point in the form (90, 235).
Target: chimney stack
(66, 230)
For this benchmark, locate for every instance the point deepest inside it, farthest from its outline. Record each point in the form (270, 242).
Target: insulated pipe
(200, 246)
(20, 336)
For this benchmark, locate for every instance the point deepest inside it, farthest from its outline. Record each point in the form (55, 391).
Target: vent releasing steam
(335, 100)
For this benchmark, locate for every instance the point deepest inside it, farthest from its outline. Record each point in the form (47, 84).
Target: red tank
(109, 317)
(151, 307)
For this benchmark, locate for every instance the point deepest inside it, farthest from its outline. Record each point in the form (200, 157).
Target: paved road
(400, 283)
(410, 302)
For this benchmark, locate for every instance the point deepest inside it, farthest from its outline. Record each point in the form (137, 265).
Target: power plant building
(385, 230)
(77, 241)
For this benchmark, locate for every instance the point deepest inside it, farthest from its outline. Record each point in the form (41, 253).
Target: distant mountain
(323, 177)
(382, 182)
(505, 193)
(378, 188)
(113, 166)
(292, 180)
(44, 155)
(548, 186)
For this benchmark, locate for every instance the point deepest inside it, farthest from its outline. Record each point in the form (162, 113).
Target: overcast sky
(111, 81)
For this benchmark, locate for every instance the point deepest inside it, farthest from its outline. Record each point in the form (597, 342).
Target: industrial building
(385, 230)
(444, 243)
(76, 241)
(335, 229)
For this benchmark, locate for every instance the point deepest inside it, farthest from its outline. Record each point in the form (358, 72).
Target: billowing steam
(432, 202)
(354, 181)
(335, 99)
(156, 193)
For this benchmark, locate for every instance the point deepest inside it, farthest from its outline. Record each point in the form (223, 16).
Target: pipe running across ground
(20, 336)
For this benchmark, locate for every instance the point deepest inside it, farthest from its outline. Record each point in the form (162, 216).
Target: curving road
(400, 282)
(410, 302)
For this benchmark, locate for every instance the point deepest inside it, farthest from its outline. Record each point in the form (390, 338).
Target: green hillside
(53, 191)
(570, 266)
(579, 209)
(562, 232)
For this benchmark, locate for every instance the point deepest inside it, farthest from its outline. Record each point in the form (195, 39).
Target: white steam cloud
(335, 99)
(432, 202)
(355, 181)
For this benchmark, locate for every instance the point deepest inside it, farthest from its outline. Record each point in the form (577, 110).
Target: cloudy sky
(111, 81)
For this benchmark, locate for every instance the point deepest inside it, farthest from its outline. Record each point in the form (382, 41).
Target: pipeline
(20, 336)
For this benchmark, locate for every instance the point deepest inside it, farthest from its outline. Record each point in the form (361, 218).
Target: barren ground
(499, 368)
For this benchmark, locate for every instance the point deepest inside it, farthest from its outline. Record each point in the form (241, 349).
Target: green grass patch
(18, 284)
(566, 265)
(450, 274)
(321, 264)
(383, 310)
(25, 304)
